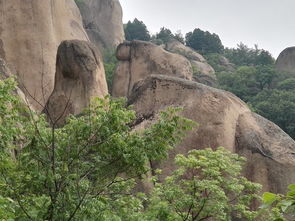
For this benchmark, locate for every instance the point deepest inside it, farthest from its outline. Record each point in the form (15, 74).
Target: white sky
(268, 23)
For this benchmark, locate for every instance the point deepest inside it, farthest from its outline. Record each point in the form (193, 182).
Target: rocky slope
(30, 34)
(103, 22)
(224, 120)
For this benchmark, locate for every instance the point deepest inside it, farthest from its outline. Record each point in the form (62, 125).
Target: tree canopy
(136, 30)
(243, 55)
(207, 184)
(204, 42)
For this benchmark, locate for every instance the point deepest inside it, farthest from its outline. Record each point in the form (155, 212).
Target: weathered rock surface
(30, 32)
(270, 152)
(175, 46)
(79, 77)
(139, 59)
(286, 60)
(203, 72)
(103, 22)
(224, 120)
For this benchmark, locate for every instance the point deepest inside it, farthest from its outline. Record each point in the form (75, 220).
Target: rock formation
(79, 77)
(139, 59)
(29, 37)
(286, 60)
(203, 72)
(270, 152)
(224, 120)
(103, 22)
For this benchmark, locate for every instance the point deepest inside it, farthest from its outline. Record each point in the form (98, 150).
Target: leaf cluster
(282, 207)
(207, 184)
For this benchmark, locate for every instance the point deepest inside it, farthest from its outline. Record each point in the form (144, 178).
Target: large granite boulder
(139, 59)
(79, 77)
(224, 120)
(30, 32)
(286, 60)
(179, 48)
(270, 152)
(203, 72)
(103, 22)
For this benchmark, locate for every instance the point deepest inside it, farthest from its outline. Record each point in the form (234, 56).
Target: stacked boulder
(203, 72)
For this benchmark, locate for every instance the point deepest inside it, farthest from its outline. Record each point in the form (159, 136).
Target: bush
(207, 184)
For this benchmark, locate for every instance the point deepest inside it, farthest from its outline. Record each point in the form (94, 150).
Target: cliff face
(103, 22)
(30, 32)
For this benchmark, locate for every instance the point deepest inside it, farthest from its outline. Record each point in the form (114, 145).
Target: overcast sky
(268, 23)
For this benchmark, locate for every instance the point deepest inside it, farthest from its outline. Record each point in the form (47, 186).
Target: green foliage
(255, 81)
(282, 207)
(278, 106)
(204, 42)
(243, 55)
(266, 91)
(246, 81)
(110, 63)
(207, 184)
(82, 171)
(287, 84)
(136, 30)
(165, 35)
(214, 59)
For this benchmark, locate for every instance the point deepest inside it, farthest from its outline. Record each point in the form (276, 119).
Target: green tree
(204, 42)
(247, 81)
(243, 55)
(165, 35)
(240, 82)
(287, 84)
(264, 76)
(277, 106)
(207, 184)
(136, 30)
(82, 171)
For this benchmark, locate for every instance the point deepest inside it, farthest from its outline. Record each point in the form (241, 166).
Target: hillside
(62, 162)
